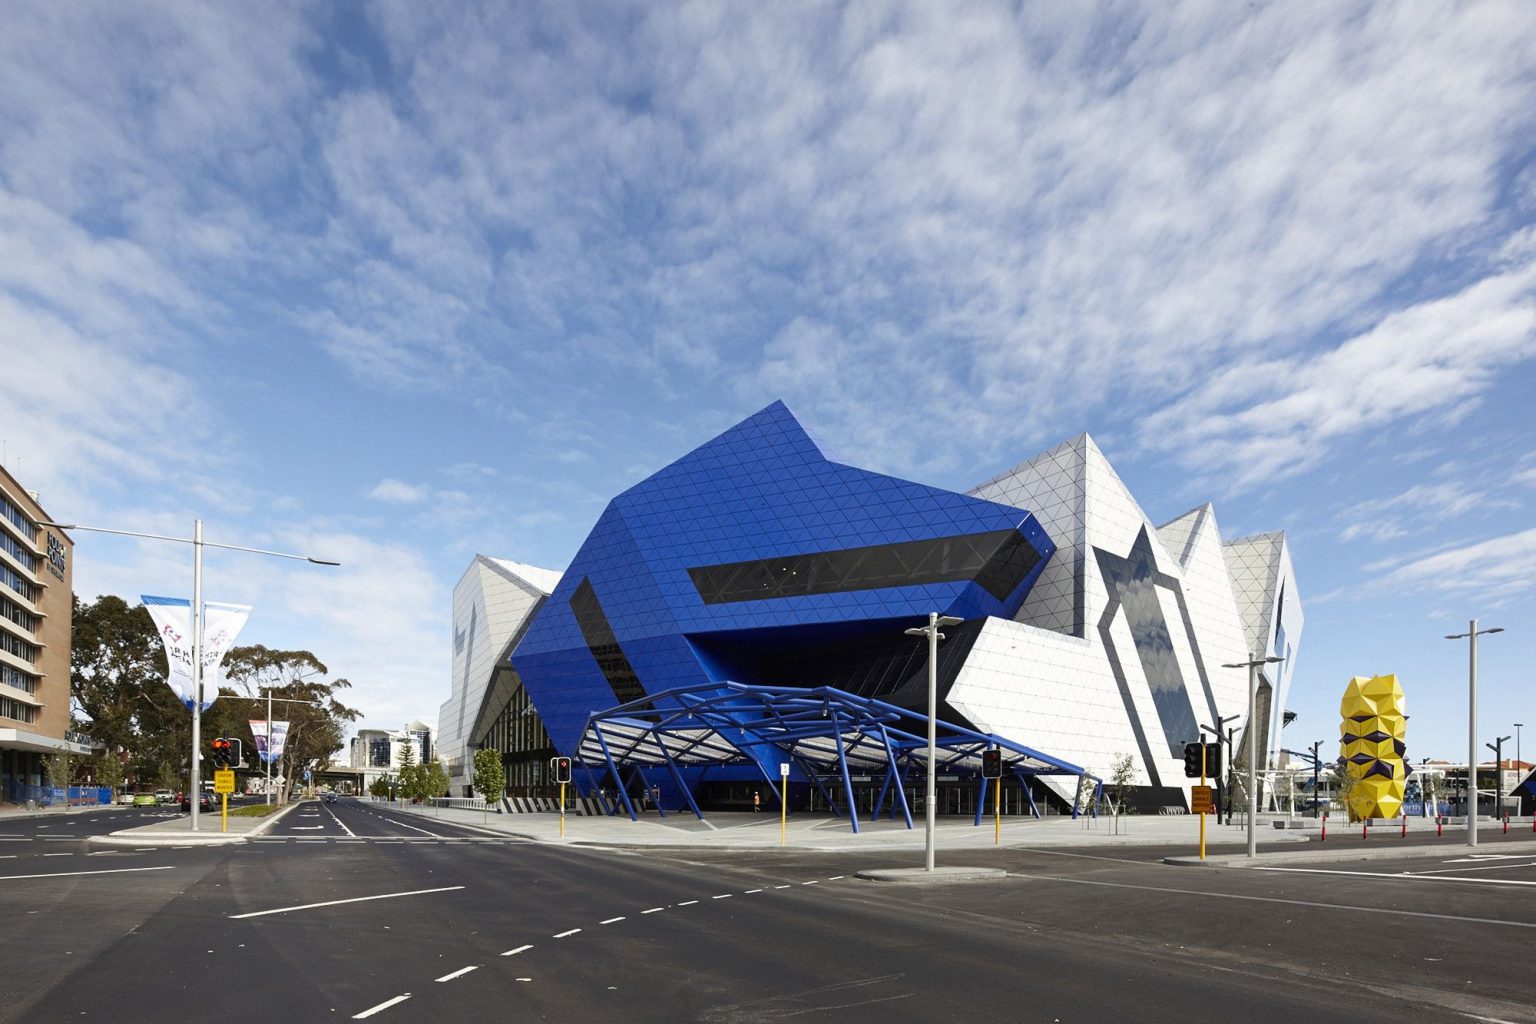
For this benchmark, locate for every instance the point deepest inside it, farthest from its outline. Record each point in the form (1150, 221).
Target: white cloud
(1261, 421)
(1419, 508)
(398, 492)
(1497, 568)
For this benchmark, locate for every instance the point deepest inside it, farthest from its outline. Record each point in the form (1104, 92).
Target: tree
(434, 778)
(490, 778)
(316, 729)
(379, 786)
(1122, 773)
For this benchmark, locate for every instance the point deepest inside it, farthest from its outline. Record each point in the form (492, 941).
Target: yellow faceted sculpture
(1371, 742)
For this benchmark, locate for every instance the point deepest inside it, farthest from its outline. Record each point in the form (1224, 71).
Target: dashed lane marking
(386, 1004)
(459, 973)
(653, 910)
(781, 887)
(519, 949)
(722, 896)
(612, 920)
(337, 903)
(687, 903)
(563, 935)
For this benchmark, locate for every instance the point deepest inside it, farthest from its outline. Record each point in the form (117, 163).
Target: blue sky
(399, 283)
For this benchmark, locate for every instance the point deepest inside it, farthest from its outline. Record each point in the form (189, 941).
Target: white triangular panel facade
(491, 602)
(1264, 584)
(1090, 677)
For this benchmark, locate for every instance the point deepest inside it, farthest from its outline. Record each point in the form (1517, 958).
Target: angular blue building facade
(756, 559)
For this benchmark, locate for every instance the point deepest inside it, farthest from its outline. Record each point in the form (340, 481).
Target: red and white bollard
(1324, 838)
(1365, 828)
(1405, 824)
(1506, 823)
(1439, 826)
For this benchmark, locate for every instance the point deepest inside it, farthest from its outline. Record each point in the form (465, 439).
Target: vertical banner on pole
(222, 623)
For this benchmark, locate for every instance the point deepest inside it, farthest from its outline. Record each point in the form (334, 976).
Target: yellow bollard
(562, 810)
(224, 824)
(997, 812)
(783, 806)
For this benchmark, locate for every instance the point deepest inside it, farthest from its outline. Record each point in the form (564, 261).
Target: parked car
(205, 802)
(125, 799)
(164, 796)
(145, 800)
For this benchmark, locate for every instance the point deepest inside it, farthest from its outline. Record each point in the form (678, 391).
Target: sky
(397, 283)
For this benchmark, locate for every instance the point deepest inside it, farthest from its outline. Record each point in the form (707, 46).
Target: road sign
(1204, 799)
(783, 770)
(224, 781)
(307, 775)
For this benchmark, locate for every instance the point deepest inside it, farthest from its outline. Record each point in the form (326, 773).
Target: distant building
(36, 574)
(377, 752)
(493, 604)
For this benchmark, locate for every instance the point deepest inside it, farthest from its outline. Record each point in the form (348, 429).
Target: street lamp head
(949, 620)
(1495, 629)
(56, 526)
(321, 561)
(916, 631)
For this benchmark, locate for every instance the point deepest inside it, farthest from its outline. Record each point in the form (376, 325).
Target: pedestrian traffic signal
(992, 764)
(222, 753)
(562, 769)
(1213, 759)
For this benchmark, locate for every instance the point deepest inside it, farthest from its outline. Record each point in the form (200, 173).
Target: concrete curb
(922, 876)
(145, 835)
(1320, 856)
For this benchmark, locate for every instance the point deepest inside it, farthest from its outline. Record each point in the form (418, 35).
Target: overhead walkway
(823, 734)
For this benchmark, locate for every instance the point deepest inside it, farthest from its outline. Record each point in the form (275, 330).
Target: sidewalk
(824, 833)
(178, 831)
(15, 812)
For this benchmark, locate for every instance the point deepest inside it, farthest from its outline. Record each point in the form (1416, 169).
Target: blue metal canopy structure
(824, 734)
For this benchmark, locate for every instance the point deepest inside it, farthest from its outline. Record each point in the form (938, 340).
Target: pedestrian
(757, 801)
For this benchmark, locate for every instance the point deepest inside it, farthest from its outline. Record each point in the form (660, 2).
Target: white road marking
(386, 1004)
(337, 903)
(1401, 876)
(524, 979)
(687, 903)
(413, 828)
(722, 896)
(58, 855)
(562, 935)
(653, 910)
(611, 920)
(76, 874)
(8, 856)
(58, 839)
(297, 828)
(1476, 867)
(835, 878)
(811, 882)
(19, 839)
(519, 949)
(781, 887)
(750, 891)
(1354, 909)
(459, 973)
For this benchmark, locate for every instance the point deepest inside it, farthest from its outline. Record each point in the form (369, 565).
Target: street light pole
(1252, 665)
(931, 631)
(1471, 636)
(198, 544)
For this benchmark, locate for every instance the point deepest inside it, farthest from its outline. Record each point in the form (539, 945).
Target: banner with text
(221, 624)
(269, 747)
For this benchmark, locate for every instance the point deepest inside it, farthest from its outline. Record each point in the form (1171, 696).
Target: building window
(17, 614)
(998, 561)
(12, 579)
(13, 547)
(15, 645)
(379, 752)
(11, 676)
(17, 519)
(15, 709)
(593, 623)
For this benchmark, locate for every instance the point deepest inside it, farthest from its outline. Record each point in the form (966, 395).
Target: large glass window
(13, 547)
(19, 647)
(17, 519)
(12, 676)
(15, 709)
(17, 614)
(998, 561)
(12, 579)
(604, 645)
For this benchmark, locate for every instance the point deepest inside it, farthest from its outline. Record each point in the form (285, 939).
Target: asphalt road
(407, 919)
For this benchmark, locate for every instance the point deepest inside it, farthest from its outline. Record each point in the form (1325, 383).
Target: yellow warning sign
(1203, 799)
(224, 781)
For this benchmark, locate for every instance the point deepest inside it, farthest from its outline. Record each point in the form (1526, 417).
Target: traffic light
(992, 763)
(1194, 753)
(236, 753)
(221, 753)
(562, 769)
(1213, 759)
